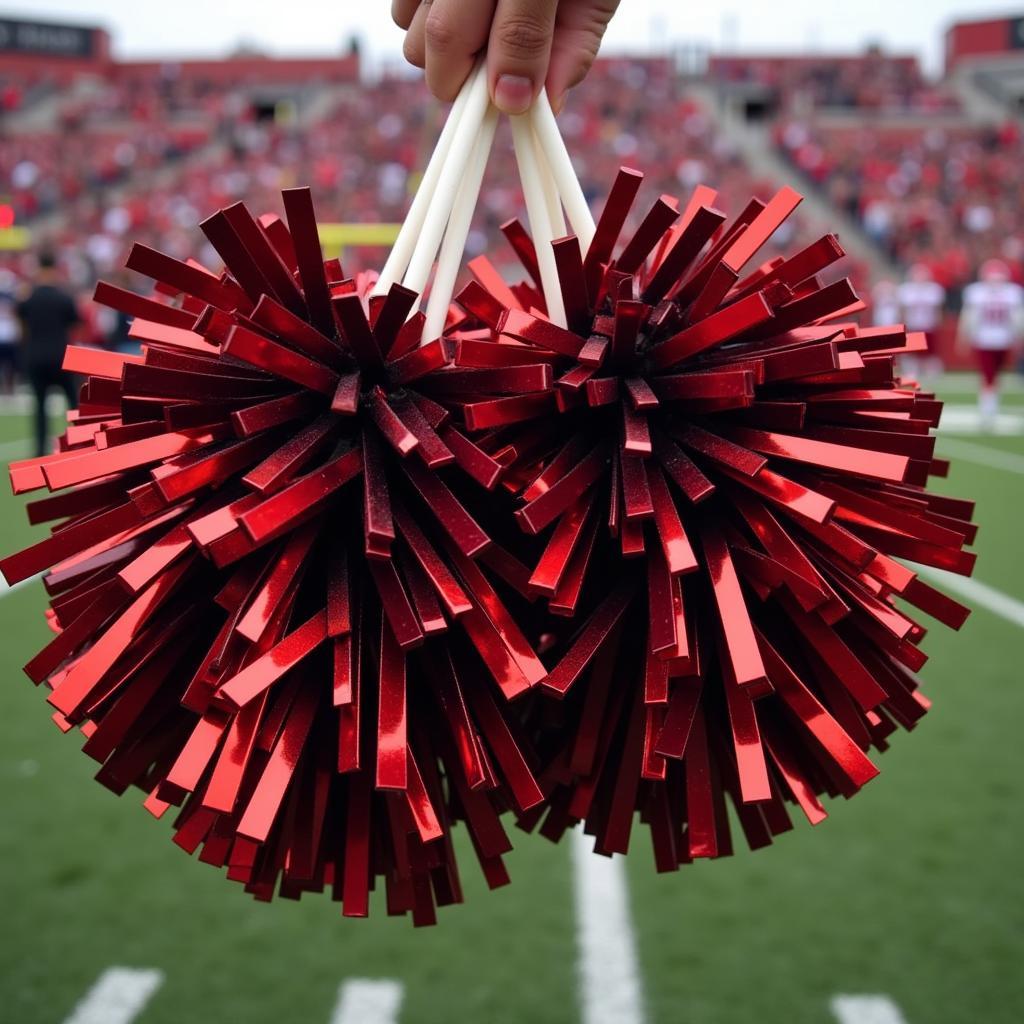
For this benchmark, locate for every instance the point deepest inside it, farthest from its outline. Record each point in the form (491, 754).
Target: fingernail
(558, 102)
(513, 94)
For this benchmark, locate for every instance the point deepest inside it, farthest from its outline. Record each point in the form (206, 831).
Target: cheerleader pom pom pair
(328, 575)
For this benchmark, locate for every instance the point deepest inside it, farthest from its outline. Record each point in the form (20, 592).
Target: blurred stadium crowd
(94, 159)
(948, 196)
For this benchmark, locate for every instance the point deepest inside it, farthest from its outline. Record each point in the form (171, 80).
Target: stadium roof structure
(60, 52)
(989, 37)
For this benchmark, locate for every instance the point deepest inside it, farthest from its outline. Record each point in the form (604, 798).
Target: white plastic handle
(398, 259)
(442, 201)
(454, 245)
(553, 146)
(442, 210)
(533, 173)
(552, 196)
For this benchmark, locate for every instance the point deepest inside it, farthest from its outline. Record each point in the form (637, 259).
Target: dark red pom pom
(722, 471)
(259, 526)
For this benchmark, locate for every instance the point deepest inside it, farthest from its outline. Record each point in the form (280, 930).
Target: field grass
(914, 889)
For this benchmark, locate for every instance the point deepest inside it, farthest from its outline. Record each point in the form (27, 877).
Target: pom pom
(722, 472)
(268, 594)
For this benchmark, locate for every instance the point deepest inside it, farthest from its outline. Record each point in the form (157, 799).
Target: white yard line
(6, 589)
(118, 997)
(609, 971)
(368, 1001)
(965, 419)
(980, 454)
(976, 593)
(866, 1010)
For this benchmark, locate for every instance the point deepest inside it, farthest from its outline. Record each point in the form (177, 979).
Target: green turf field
(914, 890)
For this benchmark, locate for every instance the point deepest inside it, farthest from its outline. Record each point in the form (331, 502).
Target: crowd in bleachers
(361, 160)
(19, 91)
(947, 196)
(47, 171)
(102, 132)
(147, 155)
(144, 99)
(864, 82)
(12, 95)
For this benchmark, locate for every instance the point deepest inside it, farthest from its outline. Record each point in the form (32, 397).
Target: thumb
(518, 52)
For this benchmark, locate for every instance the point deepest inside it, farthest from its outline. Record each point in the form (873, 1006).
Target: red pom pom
(260, 527)
(721, 472)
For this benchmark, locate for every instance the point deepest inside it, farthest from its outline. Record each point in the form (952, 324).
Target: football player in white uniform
(922, 301)
(992, 324)
(885, 304)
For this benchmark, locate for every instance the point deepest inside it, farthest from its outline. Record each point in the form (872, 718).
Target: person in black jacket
(47, 314)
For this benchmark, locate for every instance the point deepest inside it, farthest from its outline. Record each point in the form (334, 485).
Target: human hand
(529, 43)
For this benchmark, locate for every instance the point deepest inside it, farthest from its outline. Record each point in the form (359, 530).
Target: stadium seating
(176, 150)
(946, 193)
(145, 151)
(870, 81)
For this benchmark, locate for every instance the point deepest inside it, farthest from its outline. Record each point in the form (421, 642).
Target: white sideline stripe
(118, 997)
(977, 593)
(866, 1010)
(368, 1001)
(965, 419)
(6, 588)
(609, 974)
(981, 454)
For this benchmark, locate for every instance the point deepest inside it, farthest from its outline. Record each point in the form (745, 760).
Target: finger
(455, 33)
(402, 12)
(518, 52)
(415, 46)
(579, 29)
